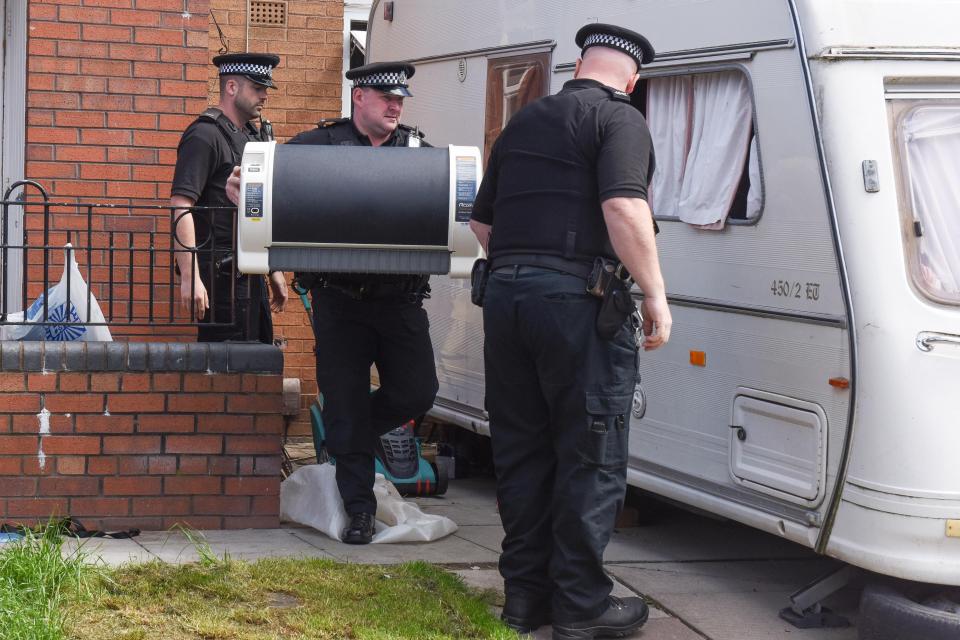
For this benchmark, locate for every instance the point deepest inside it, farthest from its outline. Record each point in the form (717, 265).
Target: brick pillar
(134, 435)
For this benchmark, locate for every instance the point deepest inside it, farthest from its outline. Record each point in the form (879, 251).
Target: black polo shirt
(343, 132)
(205, 159)
(554, 164)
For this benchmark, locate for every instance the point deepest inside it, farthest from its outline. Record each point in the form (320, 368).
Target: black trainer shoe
(621, 618)
(525, 614)
(360, 529)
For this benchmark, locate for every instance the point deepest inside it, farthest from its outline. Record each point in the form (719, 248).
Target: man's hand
(194, 301)
(233, 186)
(630, 226)
(656, 322)
(278, 286)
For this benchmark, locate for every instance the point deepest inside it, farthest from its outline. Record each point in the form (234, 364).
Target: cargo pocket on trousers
(604, 442)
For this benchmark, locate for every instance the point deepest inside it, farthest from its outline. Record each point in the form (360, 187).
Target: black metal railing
(126, 254)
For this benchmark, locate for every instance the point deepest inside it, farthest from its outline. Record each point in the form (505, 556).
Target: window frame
(717, 68)
(499, 61)
(898, 109)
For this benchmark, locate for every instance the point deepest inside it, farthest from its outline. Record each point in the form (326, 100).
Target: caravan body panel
(768, 303)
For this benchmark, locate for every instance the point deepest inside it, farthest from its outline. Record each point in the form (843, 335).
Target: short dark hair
(232, 76)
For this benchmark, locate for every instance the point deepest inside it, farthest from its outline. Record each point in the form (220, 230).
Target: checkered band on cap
(609, 40)
(381, 79)
(246, 68)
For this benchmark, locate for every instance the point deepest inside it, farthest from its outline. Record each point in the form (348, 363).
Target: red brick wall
(310, 47)
(111, 85)
(145, 450)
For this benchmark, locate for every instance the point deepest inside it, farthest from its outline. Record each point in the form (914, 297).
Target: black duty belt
(571, 267)
(409, 290)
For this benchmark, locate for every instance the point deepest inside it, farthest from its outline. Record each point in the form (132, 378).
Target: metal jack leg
(805, 610)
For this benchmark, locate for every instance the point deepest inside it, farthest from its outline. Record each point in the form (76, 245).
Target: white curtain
(719, 145)
(670, 118)
(932, 139)
(755, 194)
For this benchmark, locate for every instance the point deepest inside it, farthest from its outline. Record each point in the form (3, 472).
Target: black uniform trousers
(248, 302)
(392, 332)
(558, 398)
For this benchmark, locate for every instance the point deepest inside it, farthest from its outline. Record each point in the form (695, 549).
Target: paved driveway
(708, 578)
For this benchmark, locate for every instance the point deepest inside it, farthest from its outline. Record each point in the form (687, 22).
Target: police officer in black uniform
(209, 149)
(362, 319)
(564, 199)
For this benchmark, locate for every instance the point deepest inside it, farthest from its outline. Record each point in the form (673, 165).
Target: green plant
(36, 578)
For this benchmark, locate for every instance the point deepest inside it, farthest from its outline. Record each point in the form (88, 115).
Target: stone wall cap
(197, 357)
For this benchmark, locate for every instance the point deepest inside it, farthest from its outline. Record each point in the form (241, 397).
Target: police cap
(389, 77)
(624, 40)
(257, 67)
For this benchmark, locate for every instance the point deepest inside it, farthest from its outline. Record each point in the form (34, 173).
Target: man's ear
(631, 85)
(576, 69)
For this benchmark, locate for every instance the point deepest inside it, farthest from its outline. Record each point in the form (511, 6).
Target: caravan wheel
(905, 611)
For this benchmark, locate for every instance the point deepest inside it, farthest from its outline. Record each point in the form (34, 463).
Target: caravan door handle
(926, 340)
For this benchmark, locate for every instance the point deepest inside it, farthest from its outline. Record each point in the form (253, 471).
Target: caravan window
(708, 169)
(929, 149)
(512, 82)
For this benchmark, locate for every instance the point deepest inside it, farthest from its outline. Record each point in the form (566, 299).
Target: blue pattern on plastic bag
(64, 332)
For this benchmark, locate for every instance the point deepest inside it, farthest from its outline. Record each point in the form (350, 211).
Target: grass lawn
(46, 597)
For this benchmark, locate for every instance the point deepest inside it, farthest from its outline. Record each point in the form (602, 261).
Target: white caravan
(808, 196)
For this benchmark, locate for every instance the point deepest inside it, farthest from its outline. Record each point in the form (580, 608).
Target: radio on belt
(344, 209)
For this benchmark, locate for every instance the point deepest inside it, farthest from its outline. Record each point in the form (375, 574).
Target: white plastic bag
(59, 309)
(310, 496)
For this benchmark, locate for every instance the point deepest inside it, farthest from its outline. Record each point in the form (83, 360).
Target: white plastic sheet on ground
(310, 497)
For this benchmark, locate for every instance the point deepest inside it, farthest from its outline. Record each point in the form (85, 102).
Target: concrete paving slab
(451, 549)
(244, 544)
(723, 576)
(111, 552)
(666, 628)
(490, 580)
(483, 579)
(681, 536)
(487, 536)
(736, 600)
(468, 501)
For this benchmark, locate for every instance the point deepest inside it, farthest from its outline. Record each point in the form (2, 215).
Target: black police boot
(524, 613)
(360, 529)
(621, 618)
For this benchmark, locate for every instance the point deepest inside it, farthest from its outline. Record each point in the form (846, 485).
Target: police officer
(563, 195)
(362, 319)
(209, 149)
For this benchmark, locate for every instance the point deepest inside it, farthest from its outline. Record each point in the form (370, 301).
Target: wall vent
(268, 14)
